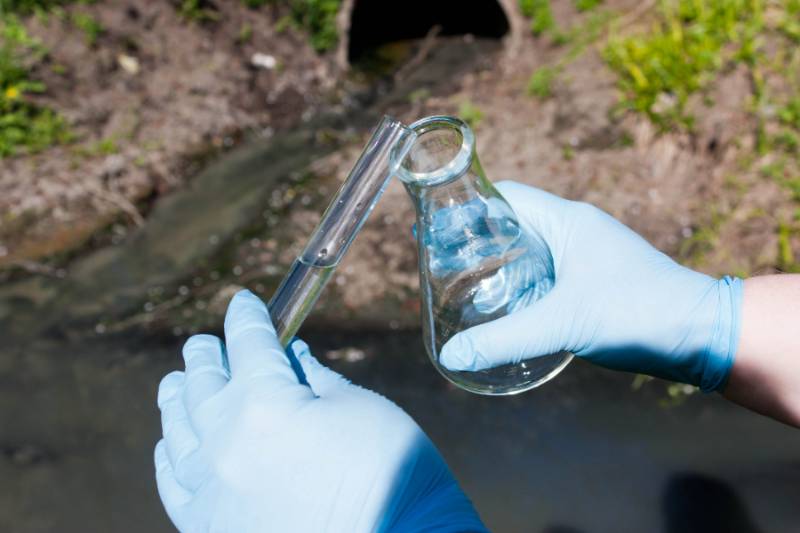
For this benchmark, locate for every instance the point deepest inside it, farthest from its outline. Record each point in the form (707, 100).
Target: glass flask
(475, 262)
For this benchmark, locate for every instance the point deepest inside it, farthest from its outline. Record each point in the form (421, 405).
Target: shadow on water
(697, 503)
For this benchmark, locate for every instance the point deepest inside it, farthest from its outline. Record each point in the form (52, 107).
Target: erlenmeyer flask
(475, 262)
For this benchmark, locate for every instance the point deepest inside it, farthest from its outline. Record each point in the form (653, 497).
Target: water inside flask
(476, 263)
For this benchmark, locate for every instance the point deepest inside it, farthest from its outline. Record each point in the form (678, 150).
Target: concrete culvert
(368, 24)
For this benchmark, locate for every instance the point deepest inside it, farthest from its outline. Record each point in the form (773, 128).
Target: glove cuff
(721, 351)
(429, 499)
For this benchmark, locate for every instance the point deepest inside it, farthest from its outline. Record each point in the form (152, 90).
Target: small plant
(470, 113)
(790, 113)
(29, 6)
(255, 4)
(793, 186)
(579, 37)
(587, 5)
(24, 126)
(540, 13)
(660, 69)
(102, 147)
(785, 253)
(197, 10)
(788, 141)
(90, 26)
(245, 33)
(703, 240)
(540, 84)
(419, 95)
(790, 21)
(318, 18)
(775, 170)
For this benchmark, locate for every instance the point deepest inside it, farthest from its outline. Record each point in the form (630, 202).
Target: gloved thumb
(322, 380)
(534, 331)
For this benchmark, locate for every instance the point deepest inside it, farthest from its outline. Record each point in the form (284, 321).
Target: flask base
(509, 379)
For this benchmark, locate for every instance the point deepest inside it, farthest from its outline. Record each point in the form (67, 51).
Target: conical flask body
(476, 264)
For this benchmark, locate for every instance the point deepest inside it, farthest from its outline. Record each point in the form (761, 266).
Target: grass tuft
(470, 113)
(24, 126)
(659, 70)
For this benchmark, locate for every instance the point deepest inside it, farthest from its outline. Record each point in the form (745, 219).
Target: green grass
(788, 141)
(703, 240)
(586, 5)
(540, 13)
(24, 126)
(775, 170)
(789, 114)
(660, 69)
(102, 147)
(245, 33)
(198, 10)
(89, 25)
(318, 18)
(578, 37)
(785, 253)
(540, 84)
(790, 20)
(32, 6)
(470, 113)
(419, 95)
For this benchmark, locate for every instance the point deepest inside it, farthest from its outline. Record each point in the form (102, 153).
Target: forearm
(766, 372)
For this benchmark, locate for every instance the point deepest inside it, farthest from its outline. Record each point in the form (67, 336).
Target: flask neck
(446, 182)
(463, 188)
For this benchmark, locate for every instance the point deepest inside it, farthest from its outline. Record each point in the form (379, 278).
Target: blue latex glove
(617, 302)
(248, 448)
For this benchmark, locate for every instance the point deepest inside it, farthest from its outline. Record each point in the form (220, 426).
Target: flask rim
(459, 164)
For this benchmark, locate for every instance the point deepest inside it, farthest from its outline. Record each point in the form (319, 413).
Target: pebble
(264, 61)
(128, 63)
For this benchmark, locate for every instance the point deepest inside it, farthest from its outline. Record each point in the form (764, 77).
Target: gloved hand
(249, 447)
(617, 302)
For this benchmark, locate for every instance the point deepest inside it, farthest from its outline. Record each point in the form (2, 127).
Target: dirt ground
(688, 193)
(149, 103)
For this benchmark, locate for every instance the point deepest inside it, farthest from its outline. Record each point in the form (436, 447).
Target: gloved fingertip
(245, 295)
(199, 343)
(246, 311)
(414, 230)
(299, 348)
(458, 353)
(160, 457)
(169, 386)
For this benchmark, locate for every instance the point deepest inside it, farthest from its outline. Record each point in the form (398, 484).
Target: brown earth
(698, 196)
(164, 93)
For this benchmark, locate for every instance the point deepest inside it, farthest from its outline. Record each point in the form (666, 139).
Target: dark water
(583, 453)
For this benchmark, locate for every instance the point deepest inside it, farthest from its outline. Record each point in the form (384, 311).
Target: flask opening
(441, 152)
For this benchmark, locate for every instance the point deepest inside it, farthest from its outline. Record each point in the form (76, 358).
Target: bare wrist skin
(766, 372)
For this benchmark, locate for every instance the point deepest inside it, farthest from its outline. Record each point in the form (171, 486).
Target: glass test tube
(341, 222)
